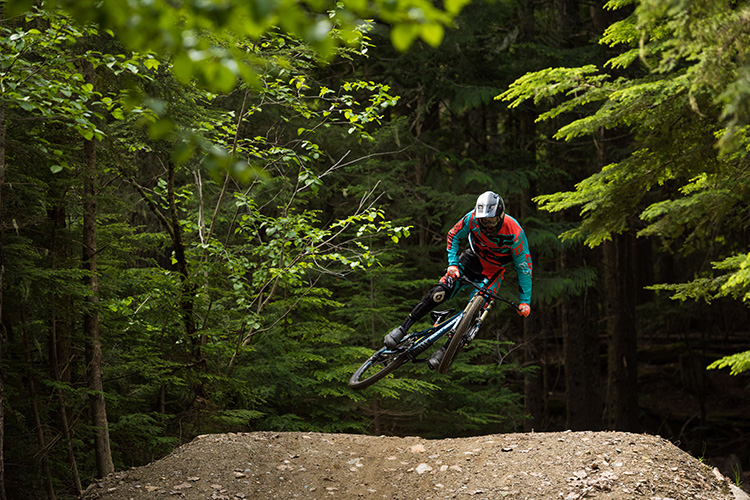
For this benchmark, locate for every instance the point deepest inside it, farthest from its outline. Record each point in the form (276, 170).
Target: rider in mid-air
(495, 240)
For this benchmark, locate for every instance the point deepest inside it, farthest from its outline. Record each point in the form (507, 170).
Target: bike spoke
(378, 366)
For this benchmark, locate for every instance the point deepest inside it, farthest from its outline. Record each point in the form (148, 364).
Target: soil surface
(540, 466)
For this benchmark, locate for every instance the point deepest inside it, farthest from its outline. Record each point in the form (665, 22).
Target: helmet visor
(490, 222)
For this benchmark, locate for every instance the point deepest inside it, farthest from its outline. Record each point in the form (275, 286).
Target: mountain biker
(494, 239)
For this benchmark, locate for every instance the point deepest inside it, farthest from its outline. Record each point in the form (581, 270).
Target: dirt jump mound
(540, 466)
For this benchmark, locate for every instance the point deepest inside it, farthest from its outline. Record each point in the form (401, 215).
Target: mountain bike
(461, 328)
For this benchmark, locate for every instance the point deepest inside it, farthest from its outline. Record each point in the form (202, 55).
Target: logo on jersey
(502, 240)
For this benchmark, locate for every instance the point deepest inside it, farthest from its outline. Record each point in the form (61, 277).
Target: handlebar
(482, 288)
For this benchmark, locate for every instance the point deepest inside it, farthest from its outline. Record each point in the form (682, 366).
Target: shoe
(392, 339)
(436, 358)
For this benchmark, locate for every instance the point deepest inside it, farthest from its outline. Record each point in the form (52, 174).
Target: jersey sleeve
(455, 236)
(522, 263)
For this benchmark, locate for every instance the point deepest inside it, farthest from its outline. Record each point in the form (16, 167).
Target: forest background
(211, 213)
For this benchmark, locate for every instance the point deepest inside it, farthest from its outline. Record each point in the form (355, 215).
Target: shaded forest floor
(564, 465)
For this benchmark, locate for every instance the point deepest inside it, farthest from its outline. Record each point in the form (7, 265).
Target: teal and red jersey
(496, 249)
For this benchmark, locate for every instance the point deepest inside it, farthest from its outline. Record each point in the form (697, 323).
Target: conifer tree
(674, 87)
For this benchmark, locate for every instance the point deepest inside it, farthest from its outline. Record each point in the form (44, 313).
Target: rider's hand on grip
(524, 310)
(453, 272)
(450, 274)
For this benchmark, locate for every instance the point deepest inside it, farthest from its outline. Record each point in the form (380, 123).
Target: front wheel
(376, 367)
(470, 314)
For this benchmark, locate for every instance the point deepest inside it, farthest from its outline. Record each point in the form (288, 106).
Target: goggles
(490, 222)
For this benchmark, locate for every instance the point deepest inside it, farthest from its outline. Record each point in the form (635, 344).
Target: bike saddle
(438, 316)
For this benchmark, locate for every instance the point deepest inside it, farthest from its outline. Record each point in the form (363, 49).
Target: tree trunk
(94, 370)
(2, 323)
(568, 21)
(524, 139)
(526, 21)
(582, 380)
(533, 384)
(189, 290)
(38, 424)
(64, 410)
(602, 18)
(59, 349)
(644, 272)
(581, 353)
(622, 384)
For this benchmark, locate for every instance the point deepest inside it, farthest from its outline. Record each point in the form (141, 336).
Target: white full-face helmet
(489, 210)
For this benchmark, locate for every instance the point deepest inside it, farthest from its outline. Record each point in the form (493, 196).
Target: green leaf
(432, 33)
(161, 128)
(455, 6)
(87, 133)
(151, 63)
(17, 7)
(403, 35)
(218, 76)
(182, 67)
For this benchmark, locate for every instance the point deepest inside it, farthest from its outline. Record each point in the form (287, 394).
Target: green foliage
(691, 81)
(734, 281)
(217, 64)
(42, 76)
(737, 363)
(245, 301)
(144, 433)
(541, 86)
(209, 323)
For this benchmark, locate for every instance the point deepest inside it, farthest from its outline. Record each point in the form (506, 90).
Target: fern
(737, 363)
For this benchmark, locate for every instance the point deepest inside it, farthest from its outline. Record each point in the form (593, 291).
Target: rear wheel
(376, 367)
(470, 315)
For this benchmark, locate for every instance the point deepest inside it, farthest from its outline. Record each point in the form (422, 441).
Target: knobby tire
(470, 314)
(386, 362)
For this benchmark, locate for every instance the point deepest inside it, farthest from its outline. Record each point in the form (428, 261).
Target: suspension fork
(486, 310)
(473, 332)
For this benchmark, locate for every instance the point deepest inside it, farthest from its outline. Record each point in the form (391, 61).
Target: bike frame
(425, 338)
(416, 343)
(422, 340)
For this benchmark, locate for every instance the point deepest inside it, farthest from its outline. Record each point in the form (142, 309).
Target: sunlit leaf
(403, 35)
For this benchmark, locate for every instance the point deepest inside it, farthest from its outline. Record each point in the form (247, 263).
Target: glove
(451, 274)
(524, 310)
(453, 271)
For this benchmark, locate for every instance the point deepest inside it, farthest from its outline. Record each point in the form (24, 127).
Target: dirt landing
(540, 466)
